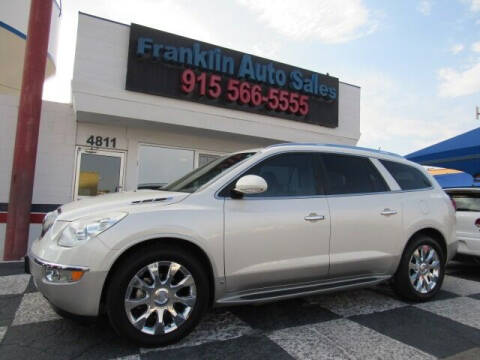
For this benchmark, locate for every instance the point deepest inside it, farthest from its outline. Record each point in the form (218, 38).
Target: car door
(366, 218)
(280, 236)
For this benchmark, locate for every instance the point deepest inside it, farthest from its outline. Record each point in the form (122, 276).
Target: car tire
(135, 296)
(420, 274)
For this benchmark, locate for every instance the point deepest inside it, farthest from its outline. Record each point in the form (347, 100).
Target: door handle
(314, 217)
(388, 212)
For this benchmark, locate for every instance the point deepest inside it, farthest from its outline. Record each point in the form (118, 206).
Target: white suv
(255, 226)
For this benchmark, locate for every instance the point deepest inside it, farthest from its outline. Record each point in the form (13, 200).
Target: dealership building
(149, 106)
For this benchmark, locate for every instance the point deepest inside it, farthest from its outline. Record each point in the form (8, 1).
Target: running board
(298, 291)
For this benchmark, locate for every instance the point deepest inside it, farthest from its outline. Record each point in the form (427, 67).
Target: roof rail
(338, 146)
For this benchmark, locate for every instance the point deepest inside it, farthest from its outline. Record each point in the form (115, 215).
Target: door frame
(79, 150)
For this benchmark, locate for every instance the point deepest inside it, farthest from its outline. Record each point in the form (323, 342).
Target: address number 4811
(101, 141)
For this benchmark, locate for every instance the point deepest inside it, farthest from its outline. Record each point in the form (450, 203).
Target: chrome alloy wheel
(424, 269)
(160, 297)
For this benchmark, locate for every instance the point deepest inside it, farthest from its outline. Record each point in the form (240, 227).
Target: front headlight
(81, 230)
(48, 221)
(57, 275)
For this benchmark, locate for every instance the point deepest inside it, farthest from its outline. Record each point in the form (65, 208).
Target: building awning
(461, 152)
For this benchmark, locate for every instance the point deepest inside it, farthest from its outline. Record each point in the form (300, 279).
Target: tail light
(454, 204)
(477, 223)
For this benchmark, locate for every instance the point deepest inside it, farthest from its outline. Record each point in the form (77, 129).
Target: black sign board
(169, 65)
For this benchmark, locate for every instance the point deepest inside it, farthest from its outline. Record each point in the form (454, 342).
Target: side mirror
(251, 184)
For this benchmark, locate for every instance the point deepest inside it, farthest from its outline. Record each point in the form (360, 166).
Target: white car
(260, 225)
(467, 203)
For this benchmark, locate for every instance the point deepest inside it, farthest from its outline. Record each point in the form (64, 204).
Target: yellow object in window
(88, 183)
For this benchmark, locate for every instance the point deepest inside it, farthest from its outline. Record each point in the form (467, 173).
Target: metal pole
(26, 140)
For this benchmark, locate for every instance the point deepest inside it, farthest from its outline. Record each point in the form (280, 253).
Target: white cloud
(457, 48)
(425, 7)
(383, 117)
(328, 21)
(475, 5)
(266, 49)
(400, 121)
(476, 46)
(458, 83)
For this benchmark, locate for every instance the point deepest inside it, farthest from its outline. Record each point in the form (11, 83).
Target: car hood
(122, 201)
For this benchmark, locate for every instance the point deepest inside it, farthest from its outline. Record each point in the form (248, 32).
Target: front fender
(202, 228)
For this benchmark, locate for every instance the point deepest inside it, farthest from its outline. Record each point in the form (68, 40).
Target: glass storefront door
(98, 172)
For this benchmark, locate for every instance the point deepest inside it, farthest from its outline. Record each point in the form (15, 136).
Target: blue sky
(417, 62)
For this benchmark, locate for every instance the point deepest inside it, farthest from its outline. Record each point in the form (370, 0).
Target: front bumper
(81, 297)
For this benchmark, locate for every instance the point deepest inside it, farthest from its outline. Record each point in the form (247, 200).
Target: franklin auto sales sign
(169, 65)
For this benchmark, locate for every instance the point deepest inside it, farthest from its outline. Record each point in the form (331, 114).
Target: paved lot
(364, 324)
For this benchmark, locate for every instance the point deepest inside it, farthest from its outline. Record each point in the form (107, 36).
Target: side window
(288, 174)
(407, 177)
(352, 174)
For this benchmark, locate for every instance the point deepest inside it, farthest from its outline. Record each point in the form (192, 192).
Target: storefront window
(204, 159)
(159, 166)
(200, 176)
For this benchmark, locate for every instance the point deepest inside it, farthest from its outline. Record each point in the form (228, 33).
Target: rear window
(466, 202)
(407, 177)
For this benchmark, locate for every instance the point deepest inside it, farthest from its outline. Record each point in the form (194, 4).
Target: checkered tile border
(361, 324)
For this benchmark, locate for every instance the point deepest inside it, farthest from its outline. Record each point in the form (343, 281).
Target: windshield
(200, 176)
